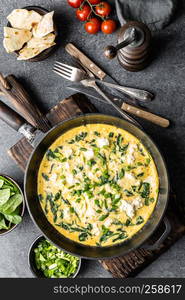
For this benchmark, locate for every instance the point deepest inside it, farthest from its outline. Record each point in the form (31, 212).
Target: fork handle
(145, 115)
(138, 94)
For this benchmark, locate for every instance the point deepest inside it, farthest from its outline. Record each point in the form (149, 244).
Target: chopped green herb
(91, 162)
(128, 193)
(80, 137)
(121, 173)
(71, 141)
(145, 190)
(40, 197)
(74, 172)
(103, 217)
(50, 154)
(111, 134)
(121, 236)
(140, 174)
(83, 236)
(96, 133)
(83, 149)
(139, 220)
(45, 177)
(147, 162)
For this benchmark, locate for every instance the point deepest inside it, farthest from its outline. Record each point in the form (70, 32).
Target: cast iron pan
(30, 182)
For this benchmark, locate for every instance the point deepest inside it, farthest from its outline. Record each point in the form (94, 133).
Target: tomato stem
(92, 9)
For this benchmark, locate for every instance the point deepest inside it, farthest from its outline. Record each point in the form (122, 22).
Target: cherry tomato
(94, 2)
(103, 9)
(83, 13)
(108, 26)
(93, 25)
(75, 3)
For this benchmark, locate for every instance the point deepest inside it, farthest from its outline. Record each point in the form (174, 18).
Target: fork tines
(63, 69)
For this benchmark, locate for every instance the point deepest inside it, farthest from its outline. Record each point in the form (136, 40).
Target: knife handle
(145, 115)
(22, 102)
(10, 117)
(76, 53)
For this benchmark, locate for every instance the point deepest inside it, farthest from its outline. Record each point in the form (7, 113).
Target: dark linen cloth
(154, 13)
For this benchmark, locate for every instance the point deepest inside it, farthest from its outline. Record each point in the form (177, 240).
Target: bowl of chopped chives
(47, 261)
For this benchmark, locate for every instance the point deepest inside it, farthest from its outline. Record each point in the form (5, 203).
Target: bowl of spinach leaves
(12, 204)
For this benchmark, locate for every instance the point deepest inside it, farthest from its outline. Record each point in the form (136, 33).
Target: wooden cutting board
(132, 263)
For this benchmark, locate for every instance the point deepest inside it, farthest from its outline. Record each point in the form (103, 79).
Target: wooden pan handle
(76, 53)
(10, 117)
(23, 102)
(145, 115)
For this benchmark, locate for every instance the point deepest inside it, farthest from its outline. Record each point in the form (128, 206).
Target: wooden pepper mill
(133, 49)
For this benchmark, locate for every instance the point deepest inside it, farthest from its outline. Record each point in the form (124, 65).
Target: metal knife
(89, 64)
(137, 111)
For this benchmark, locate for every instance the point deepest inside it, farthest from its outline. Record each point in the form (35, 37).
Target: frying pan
(42, 142)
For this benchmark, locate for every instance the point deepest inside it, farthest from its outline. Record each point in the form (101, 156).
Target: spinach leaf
(15, 219)
(4, 196)
(2, 223)
(12, 203)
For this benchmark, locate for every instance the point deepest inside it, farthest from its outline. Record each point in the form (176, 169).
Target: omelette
(97, 185)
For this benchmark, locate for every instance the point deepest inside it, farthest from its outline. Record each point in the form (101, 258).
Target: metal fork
(77, 75)
(140, 95)
(69, 72)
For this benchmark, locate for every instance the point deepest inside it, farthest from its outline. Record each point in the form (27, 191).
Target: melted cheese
(98, 185)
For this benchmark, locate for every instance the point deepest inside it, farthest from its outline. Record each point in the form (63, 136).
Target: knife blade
(89, 64)
(137, 111)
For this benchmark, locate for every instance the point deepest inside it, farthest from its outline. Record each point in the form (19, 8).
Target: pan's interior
(50, 232)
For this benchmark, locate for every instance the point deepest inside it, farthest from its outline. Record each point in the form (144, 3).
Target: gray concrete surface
(165, 77)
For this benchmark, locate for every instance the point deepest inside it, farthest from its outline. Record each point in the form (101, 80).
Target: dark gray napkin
(154, 13)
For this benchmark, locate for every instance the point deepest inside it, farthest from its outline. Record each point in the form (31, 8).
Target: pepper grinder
(133, 49)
